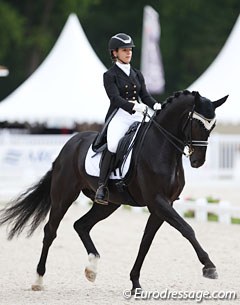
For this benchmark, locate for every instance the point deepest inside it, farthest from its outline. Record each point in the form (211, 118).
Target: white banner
(24, 159)
(151, 60)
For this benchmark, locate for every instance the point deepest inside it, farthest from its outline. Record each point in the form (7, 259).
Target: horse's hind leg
(83, 227)
(62, 196)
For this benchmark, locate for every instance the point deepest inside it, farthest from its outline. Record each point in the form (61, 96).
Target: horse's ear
(197, 98)
(220, 102)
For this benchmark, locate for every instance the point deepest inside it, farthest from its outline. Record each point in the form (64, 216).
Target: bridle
(189, 143)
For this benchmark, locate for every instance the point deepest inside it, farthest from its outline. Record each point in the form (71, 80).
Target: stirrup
(100, 195)
(101, 201)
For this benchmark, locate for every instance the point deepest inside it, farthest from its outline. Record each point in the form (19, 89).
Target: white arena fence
(25, 158)
(201, 209)
(224, 155)
(222, 159)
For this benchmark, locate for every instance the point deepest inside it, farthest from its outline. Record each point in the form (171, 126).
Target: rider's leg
(105, 171)
(116, 130)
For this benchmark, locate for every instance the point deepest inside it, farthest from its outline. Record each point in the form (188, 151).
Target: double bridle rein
(189, 143)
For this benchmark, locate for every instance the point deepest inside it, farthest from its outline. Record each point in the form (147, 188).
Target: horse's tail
(34, 204)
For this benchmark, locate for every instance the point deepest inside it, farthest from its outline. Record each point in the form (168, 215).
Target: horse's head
(200, 123)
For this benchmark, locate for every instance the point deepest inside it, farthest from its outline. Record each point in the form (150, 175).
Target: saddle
(125, 145)
(132, 138)
(100, 142)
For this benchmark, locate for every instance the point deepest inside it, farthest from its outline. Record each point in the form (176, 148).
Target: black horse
(156, 182)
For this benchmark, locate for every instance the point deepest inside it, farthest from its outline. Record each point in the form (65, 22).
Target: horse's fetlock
(134, 276)
(41, 270)
(207, 262)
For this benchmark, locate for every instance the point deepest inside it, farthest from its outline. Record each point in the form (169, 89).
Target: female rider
(126, 89)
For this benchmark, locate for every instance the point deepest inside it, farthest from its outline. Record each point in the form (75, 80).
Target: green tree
(193, 32)
(28, 31)
(12, 44)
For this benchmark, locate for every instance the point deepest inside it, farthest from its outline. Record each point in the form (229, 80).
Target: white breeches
(119, 125)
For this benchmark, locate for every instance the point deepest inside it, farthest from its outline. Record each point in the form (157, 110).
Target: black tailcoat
(122, 88)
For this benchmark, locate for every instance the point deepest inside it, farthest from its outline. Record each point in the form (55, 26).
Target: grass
(235, 221)
(210, 199)
(189, 214)
(212, 217)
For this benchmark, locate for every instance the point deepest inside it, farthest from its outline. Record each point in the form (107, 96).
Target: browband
(208, 123)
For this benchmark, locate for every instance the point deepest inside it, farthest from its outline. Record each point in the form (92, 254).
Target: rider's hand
(140, 108)
(157, 106)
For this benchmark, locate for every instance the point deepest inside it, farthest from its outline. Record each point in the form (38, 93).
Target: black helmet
(120, 40)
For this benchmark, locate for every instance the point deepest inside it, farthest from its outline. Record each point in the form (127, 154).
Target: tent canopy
(67, 88)
(222, 78)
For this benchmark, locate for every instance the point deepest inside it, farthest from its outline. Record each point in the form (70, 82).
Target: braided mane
(176, 95)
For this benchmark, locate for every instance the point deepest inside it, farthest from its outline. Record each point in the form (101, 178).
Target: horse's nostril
(195, 163)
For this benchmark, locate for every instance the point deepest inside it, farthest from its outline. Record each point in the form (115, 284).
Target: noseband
(189, 142)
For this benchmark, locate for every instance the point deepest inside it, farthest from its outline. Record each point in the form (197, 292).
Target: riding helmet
(120, 40)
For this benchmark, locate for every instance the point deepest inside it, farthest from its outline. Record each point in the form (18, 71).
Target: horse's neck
(158, 148)
(174, 115)
(159, 160)
(171, 121)
(158, 144)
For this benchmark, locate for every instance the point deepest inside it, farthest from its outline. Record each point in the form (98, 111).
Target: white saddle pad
(93, 169)
(92, 163)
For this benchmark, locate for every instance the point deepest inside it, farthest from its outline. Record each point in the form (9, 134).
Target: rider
(126, 89)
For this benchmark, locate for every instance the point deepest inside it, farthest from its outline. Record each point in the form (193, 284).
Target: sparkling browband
(208, 123)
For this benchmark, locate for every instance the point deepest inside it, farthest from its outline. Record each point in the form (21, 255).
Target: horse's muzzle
(196, 162)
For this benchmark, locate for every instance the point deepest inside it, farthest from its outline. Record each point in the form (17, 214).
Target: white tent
(66, 88)
(222, 78)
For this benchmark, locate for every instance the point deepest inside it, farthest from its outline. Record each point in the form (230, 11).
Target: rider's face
(123, 55)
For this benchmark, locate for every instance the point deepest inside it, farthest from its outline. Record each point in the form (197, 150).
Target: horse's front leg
(153, 224)
(164, 210)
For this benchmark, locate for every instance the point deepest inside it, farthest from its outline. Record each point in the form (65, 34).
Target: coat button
(134, 98)
(126, 86)
(126, 92)
(134, 86)
(134, 92)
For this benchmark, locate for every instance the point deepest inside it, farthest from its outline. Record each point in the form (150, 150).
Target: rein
(172, 139)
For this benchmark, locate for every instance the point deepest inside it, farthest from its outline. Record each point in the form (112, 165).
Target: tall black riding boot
(105, 171)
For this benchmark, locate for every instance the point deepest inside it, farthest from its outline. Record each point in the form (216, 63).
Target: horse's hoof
(210, 273)
(36, 287)
(90, 274)
(136, 291)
